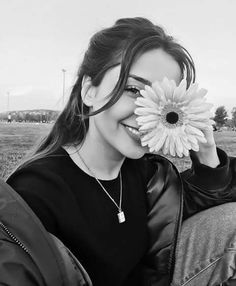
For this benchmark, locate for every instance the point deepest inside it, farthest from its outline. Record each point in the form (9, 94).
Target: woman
(90, 183)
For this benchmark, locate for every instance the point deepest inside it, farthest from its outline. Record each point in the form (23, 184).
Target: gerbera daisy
(171, 117)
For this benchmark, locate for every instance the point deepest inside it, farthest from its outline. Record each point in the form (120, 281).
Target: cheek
(107, 121)
(123, 108)
(110, 118)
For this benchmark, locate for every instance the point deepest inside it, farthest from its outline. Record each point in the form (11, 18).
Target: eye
(132, 91)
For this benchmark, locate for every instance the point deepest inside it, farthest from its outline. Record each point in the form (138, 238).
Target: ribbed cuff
(208, 178)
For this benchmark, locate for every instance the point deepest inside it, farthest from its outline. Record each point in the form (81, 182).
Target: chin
(135, 153)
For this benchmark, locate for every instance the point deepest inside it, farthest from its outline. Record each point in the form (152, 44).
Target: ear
(88, 91)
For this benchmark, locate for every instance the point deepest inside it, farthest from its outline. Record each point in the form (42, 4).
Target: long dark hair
(120, 44)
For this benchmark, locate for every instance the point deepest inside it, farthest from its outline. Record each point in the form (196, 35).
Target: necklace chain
(101, 185)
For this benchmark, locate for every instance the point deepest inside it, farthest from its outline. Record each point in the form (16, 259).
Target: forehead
(155, 65)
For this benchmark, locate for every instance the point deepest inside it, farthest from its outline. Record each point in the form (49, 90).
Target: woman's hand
(207, 153)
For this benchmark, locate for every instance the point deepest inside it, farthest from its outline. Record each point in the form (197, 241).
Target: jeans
(206, 251)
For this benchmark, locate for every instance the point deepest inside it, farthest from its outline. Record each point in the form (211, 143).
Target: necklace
(120, 215)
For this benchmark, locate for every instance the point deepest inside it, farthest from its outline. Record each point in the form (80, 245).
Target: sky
(40, 38)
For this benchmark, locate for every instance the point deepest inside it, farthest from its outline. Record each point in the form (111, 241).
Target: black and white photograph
(117, 143)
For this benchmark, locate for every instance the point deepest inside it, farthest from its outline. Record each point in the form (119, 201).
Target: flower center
(172, 116)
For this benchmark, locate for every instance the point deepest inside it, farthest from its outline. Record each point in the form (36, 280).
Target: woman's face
(116, 129)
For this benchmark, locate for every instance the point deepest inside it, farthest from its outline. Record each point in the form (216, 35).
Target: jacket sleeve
(205, 187)
(16, 267)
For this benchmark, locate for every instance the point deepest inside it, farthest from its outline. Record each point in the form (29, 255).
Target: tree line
(222, 119)
(39, 115)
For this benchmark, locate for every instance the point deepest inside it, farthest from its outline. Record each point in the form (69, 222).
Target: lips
(132, 131)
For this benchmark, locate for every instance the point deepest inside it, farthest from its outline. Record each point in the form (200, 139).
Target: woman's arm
(206, 186)
(16, 267)
(211, 180)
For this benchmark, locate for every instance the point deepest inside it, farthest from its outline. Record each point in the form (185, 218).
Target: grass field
(17, 139)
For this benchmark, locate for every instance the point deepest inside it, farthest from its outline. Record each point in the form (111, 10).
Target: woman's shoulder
(53, 160)
(42, 184)
(44, 163)
(42, 170)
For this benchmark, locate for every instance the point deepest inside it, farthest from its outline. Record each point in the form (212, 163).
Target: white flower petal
(198, 124)
(145, 119)
(166, 146)
(180, 90)
(186, 152)
(168, 87)
(146, 137)
(148, 126)
(154, 139)
(201, 92)
(192, 140)
(172, 146)
(195, 102)
(201, 139)
(195, 148)
(190, 91)
(158, 140)
(150, 94)
(146, 111)
(161, 141)
(144, 143)
(145, 102)
(194, 131)
(203, 117)
(185, 142)
(179, 147)
(159, 92)
(200, 108)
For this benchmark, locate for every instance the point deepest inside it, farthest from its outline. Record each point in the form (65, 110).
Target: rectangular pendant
(121, 217)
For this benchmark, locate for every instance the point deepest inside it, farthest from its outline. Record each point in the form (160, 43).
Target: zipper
(17, 241)
(173, 254)
(14, 238)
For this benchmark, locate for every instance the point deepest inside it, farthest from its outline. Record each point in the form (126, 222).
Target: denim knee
(206, 252)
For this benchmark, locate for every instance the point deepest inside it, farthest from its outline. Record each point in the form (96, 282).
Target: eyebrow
(142, 80)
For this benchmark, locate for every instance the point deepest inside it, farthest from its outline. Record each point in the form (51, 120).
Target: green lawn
(17, 139)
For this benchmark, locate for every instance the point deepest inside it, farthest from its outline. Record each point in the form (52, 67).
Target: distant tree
(35, 117)
(20, 117)
(233, 112)
(220, 116)
(228, 123)
(27, 117)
